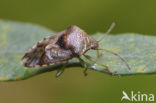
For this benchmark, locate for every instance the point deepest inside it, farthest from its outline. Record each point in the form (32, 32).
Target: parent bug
(70, 43)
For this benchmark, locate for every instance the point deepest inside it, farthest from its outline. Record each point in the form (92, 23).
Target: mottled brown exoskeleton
(70, 43)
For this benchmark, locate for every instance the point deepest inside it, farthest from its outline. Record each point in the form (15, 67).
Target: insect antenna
(108, 31)
(126, 63)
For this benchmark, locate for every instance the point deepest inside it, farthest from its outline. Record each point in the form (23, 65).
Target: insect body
(65, 45)
(70, 43)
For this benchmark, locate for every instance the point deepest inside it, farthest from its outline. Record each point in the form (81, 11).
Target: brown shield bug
(70, 43)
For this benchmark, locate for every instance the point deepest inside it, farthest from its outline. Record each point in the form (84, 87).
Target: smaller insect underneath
(70, 43)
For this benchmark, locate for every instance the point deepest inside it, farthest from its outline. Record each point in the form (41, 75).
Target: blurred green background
(93, 16)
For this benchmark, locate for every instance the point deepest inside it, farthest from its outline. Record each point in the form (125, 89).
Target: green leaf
(16, 38)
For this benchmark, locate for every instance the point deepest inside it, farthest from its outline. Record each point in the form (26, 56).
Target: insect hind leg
(61, 70)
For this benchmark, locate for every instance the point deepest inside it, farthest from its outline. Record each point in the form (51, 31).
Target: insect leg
(108, 69)
(61, 70)
(82, 62)
(90, 59)
(98, 54)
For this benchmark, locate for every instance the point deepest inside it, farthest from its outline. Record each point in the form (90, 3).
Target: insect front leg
(61, 70)
(84, 64)
(98, 54)
(106, 67)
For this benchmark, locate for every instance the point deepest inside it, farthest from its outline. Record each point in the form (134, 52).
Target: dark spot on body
(60, 42)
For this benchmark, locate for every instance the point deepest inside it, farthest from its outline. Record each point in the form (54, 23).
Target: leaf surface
(16, 38)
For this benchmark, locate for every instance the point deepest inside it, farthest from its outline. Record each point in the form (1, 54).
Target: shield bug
(70, 43)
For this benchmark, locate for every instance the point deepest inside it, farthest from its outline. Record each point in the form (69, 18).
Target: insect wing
(54, 54)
